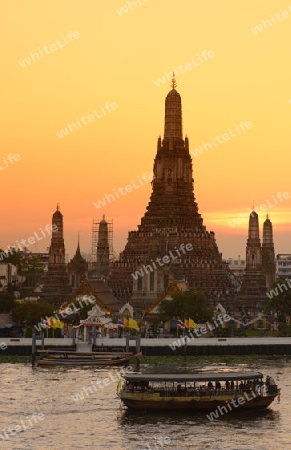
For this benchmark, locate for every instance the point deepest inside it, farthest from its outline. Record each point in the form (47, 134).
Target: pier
(165, 346)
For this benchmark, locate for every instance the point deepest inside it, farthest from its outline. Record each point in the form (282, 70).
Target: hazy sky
(96, 67)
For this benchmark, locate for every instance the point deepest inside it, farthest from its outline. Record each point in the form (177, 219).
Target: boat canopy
(182, 377)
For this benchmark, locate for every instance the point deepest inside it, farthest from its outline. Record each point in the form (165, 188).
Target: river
(40, 409)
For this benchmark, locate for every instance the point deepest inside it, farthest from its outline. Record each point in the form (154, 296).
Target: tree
(31, 311)
(186, 304)
(280, 303)
(13, 256)
(7, 302)
(31, 264)
(84, 310)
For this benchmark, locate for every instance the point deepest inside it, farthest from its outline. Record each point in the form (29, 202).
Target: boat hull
(230, 403)
(82, 362)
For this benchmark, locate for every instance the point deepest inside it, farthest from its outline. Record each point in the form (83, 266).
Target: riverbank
(200, 347)
(180, 360)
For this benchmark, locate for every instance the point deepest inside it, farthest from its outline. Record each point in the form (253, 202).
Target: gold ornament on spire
(174, 82)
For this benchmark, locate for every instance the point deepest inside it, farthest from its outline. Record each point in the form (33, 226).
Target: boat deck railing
(164, 392)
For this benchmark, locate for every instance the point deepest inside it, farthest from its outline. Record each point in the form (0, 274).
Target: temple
(268, 254)
(171, 242)
(103, 261)
(260, 268)
(77, 268)
(56, 283)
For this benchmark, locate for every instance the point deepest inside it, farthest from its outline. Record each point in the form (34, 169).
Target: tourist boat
(71, 358)
(224, 391)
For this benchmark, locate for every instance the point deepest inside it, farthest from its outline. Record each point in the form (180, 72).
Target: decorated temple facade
(171, 241)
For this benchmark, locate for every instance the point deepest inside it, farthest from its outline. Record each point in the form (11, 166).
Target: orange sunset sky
(116, 57)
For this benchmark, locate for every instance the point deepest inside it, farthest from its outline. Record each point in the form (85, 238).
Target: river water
(39, 410)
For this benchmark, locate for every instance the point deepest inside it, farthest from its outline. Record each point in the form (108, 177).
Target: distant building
(268, 254)
(102, 249)
(259, 270)
(77, 268)
(8, 275)
(56, 283)
(103, 264)
(283, 266)
(237, 266)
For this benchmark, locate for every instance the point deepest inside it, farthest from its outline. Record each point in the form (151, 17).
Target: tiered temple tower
(268, 254)
(252, 295)
(56, 289)
(103, 265)
(77, 268)
(171, 222)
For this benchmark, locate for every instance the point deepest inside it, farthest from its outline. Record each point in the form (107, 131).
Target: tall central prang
(171, 242)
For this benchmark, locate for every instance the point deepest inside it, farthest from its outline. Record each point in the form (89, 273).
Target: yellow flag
(192, 324)
(186, 323)
(58, 324)
(50, 322)
(125, 322)
(133, 324)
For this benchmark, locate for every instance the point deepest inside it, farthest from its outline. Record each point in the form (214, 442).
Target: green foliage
(80, 307)
(7, 302)
(24, 262)
(28, 332)
(13, 257)
(84, 310)
(31, 311)
(284, 330)
(280, 304)
(30, 265)
(186, 304)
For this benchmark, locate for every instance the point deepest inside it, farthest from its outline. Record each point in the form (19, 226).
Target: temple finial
(103, 217)
(174, 82)
(58, 206)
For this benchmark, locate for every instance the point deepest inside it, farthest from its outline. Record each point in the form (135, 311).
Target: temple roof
(100, 290)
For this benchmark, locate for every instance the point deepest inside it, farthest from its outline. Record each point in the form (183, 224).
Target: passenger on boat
(203, 390)
(272, 388)
(217, 385)
(129, 387)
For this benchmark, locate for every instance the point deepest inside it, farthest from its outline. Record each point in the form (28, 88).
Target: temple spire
(78, 246)
(268, 232)
(173, 114)
(268, 253)
(254, 235)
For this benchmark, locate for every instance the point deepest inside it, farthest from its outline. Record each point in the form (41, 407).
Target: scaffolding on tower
(95, 234)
